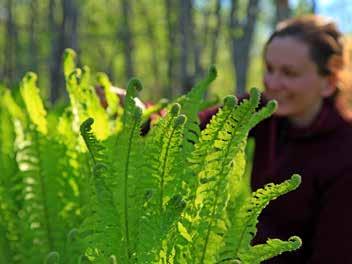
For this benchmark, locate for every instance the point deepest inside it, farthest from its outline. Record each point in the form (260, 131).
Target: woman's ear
(330, 86)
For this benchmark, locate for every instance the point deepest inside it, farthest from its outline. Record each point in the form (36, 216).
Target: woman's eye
(269, 69)
(290, 73)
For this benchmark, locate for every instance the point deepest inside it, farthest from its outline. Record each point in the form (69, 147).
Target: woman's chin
(281, 112)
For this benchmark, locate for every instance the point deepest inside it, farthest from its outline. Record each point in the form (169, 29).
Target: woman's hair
(328, 49)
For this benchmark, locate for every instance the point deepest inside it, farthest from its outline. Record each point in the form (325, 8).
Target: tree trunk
(153, 44)
(126, 35)
(64, 35)
(33, 42)
(282, 10)
(10, 45)
(55, 53)
(314, 6)
(170, 17)
(185, 25)
(241, 35)
(70, 24)
(215, 33)
(198, 40)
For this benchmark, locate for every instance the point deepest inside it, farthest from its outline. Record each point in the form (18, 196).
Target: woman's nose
(273, 81)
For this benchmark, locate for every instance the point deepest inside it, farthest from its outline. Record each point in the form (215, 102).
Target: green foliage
(88, 188)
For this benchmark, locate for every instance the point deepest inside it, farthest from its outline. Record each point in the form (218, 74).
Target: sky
(339, 10)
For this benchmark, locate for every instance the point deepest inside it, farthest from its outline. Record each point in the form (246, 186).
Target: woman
(308, 135)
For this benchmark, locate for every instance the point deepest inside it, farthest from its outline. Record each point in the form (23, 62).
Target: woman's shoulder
(206, 115)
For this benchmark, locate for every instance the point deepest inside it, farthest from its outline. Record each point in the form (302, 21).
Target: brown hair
(328, 50)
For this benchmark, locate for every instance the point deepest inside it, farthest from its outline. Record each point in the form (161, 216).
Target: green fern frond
(33, 102)
(85, 103)
(210, 134)
(112, 99)
(163, 173)
(243, 227)
(272, 248)
(147, 113)
(213, 167)
(11, 106)
(127, 169)
(41, 224)
(69, 63)
(94, 148)
(10, 181)
(162, 153)
(114, 108)
(191, 104)
(101, 235)
(155, 229)
(263, 113)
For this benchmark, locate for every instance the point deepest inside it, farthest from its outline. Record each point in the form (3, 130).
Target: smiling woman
(292, 79)
(309, 135)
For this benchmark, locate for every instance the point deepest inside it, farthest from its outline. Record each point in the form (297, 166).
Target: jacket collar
(327, 121)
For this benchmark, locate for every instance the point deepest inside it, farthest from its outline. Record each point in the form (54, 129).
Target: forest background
(167, 44)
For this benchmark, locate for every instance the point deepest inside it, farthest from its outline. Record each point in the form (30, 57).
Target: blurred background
(167, 44)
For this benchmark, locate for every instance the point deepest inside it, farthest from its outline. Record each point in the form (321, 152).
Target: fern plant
(87, 187)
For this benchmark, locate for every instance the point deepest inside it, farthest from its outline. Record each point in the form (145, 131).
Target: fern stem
(216, 199)
(210, 224)
(163, 171)
(126, 189)
(44, 196)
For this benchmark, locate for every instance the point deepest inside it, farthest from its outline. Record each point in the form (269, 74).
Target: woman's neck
(307, 118)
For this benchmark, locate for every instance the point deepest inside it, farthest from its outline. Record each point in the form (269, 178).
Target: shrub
(86, 187)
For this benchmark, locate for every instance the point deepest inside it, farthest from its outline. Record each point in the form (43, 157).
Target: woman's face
(292, 79)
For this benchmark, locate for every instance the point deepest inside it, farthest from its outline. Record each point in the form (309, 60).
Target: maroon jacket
(320, 210)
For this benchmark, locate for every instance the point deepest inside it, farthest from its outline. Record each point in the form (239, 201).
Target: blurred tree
(57, 47)
(64, 28)
(11, 42)
(152, 41)
(166, 43)
(186, 44)
(241, 35)
(282, 10)
(171, 18)
(215, 33)
(33, 32)
(126, 36)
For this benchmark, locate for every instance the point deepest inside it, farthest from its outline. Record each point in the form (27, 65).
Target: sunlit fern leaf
(50, 158)
(9, 112)
(10, 181)
(41, 225)
(69, 63)
(190, 104)
(38, 158)
(33, 102)
(155, 228)
(85, 103)
(113, 101)
(197, 162)
(75, 169)
(272, 248)
(163, 168)
(114, 106)
(126, 159)
(162, 151)
(52, 258)
(212, 193)
(100, 233)
(243, 226)
(208, 136)
(153, 109)
(9, 227)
